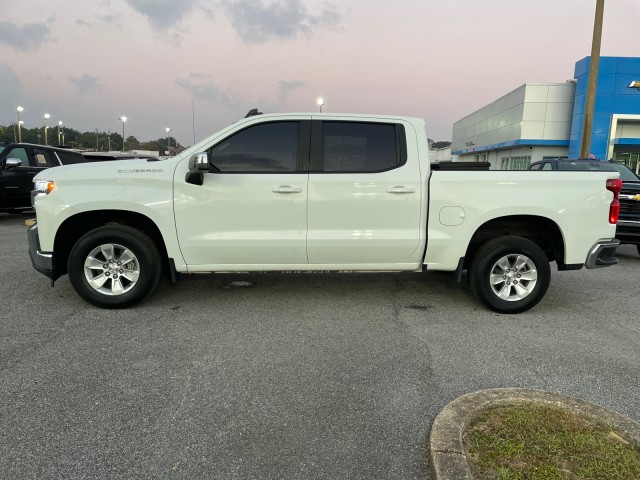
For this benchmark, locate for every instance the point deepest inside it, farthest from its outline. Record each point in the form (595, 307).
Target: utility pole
(590, 101)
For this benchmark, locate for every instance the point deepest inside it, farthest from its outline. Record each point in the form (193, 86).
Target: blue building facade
(616, 120)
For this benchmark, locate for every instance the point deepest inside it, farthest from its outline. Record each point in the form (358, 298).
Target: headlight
(44, 186)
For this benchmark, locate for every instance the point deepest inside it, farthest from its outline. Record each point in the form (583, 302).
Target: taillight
(614, 185)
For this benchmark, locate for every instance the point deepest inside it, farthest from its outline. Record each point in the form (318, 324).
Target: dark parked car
(19, 163)
(104, 156)
(628, 228)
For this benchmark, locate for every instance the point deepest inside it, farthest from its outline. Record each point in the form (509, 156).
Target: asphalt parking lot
(294, 376)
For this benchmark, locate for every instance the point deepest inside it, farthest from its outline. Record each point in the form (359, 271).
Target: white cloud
(256, 21)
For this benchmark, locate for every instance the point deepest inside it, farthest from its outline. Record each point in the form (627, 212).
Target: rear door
(364, 194)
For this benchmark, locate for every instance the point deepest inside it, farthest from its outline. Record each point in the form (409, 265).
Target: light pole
(123, 119)
(59, 125)
(592, 82)
(320, 103)
(168, 141)
(46, 127)
(19, 109)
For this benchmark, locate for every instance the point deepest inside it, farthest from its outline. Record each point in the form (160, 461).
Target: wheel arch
(542, 231)
(77, 225)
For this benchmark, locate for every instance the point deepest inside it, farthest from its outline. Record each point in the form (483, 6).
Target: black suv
(19, 163)
(628, 228)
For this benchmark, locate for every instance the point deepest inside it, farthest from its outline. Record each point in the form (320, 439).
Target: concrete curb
(447, 458)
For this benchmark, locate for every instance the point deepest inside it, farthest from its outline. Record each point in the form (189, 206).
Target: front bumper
(628, 231)
(41, 261)
(603, 254)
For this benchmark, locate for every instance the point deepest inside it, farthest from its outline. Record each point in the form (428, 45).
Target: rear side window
(43, 158)
(70, 158)
(361, 147)
(263, 148)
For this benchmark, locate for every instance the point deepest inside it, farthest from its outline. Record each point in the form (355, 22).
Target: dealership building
(542, 120)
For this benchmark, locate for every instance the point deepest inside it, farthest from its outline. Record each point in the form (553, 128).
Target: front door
(252, 206)
(16, 183)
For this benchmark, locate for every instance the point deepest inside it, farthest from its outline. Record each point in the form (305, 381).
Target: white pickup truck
(317, 192)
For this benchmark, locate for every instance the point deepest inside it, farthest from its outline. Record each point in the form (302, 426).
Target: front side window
(268, 147)
(21, 154)
(360, 147)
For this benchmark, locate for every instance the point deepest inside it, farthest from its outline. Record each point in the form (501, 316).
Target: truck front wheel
(509, 274)
(114, 266)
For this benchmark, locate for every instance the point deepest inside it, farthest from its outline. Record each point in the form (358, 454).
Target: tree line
(69, 137)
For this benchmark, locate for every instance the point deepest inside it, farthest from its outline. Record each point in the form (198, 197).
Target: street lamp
(320, 103)
(60, 125)
(168, 141)
(19, 109)
(46, 127)
(123, 119)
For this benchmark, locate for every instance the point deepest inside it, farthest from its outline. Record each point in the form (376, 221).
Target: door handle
(401, 189)
(286, 189)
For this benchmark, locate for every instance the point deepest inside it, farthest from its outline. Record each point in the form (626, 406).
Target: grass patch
(544, 442)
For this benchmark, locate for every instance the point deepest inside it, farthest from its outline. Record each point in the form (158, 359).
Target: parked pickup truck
(292, 192)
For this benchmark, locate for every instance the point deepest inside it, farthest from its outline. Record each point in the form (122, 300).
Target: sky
(165, 63)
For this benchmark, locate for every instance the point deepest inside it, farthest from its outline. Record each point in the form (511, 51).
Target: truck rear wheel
(114, 266)
(509, 274)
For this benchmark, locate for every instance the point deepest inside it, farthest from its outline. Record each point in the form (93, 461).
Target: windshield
(626, 174)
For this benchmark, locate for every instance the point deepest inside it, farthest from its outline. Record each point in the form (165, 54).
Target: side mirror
(198, 164)
(12, 162)
(199, 161)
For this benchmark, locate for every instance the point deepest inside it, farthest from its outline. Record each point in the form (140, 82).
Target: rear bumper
(43, 262)
(603, 254)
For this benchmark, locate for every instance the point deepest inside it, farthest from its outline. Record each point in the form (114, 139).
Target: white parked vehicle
(291, 192)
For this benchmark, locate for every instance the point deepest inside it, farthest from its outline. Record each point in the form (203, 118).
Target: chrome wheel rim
(513, 277)
(111, 269)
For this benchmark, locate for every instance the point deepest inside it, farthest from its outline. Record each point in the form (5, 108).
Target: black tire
(638, 248)
(114, 266)
(519, 286)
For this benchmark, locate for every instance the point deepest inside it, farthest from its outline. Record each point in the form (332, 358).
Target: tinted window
(70, 158)
(599, 166)
(19, 153)
(359, 147)
(547, 166)
(535, 166)
(43, 158)
(269, 147)
(626, 174)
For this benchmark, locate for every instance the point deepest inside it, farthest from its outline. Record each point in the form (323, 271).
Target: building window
(515, 163)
